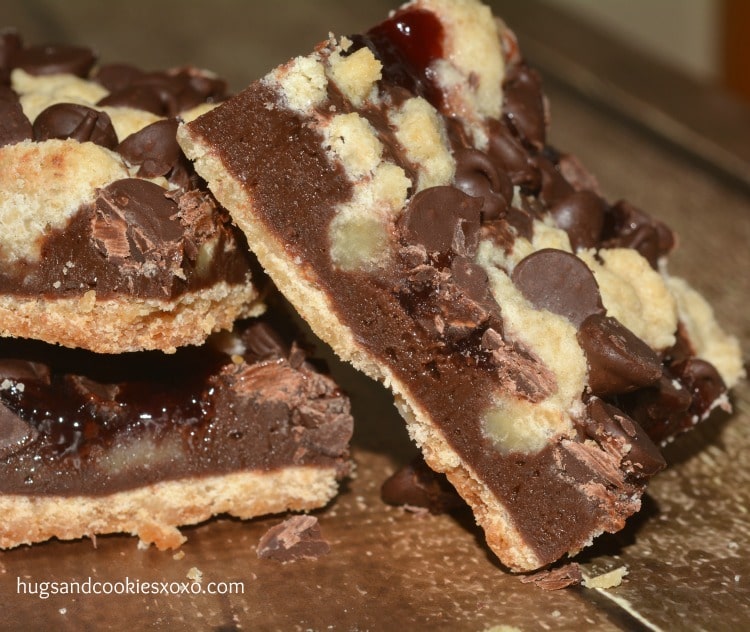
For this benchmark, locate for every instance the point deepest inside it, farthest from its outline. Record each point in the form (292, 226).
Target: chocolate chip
(10, 44)
(523, 104)
(559, 282)
(581, 215)
(444, 220)
(619, 361)
(14, 124)
(522, 221)
(79, 122)
(626, 226)
(555, 187)
(116, 77)
(416, 485)
(55, 59)
(580, 178)
(471, 279)
(205, 86)
(618, 433)
(509, 155)
(703, 382)
(154, 148)
(477, 176)
(662, 409)
(177, 91)
(137, 97)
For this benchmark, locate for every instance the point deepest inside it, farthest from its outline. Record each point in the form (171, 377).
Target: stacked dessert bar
(140, 389)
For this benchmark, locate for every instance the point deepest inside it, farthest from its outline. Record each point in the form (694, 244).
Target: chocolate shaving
(297, 538)
(555, 578)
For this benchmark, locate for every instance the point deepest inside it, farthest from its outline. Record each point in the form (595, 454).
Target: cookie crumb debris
(611, 579)
(195, 574)
(179, 556)
(555, 578)
(297, 538)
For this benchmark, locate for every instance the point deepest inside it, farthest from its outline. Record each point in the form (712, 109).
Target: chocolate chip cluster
(162, 93)
(497, 193)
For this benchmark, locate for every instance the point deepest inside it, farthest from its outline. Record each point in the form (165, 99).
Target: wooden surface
(686, 552)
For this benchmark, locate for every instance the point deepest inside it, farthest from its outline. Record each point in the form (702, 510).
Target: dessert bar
(145, 442)
(108, 239)
(399, 188)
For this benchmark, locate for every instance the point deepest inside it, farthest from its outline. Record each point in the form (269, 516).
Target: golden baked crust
(154, 513)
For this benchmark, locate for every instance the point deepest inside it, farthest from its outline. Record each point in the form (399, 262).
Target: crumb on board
(610, 579)
(195, 574)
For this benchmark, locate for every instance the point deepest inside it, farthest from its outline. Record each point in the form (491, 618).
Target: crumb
(555, 578)
(297, 538)
(63, 610)
(195, 574)
(607, 580)
(179, 555)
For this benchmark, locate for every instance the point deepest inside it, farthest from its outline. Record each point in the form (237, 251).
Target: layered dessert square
(399, 188)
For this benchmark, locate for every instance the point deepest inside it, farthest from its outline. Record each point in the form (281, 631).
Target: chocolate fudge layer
(146, 442)
(109, 241)
(399, 189)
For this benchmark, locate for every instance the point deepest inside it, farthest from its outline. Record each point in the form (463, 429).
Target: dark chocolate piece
(624, 437)
(416, 485)
(162, 93)
(581, 215)
(560, 282)
(555, 578)
(10, 44)
(619, 361)
(507, 152)
(14, 124)
(81, 123)
(523, 105)
(626, 226)
(703, 382)
(444, 220)
(297, 538)
(54, 59)
(476, 175)
(137, 97)
(154, 148)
